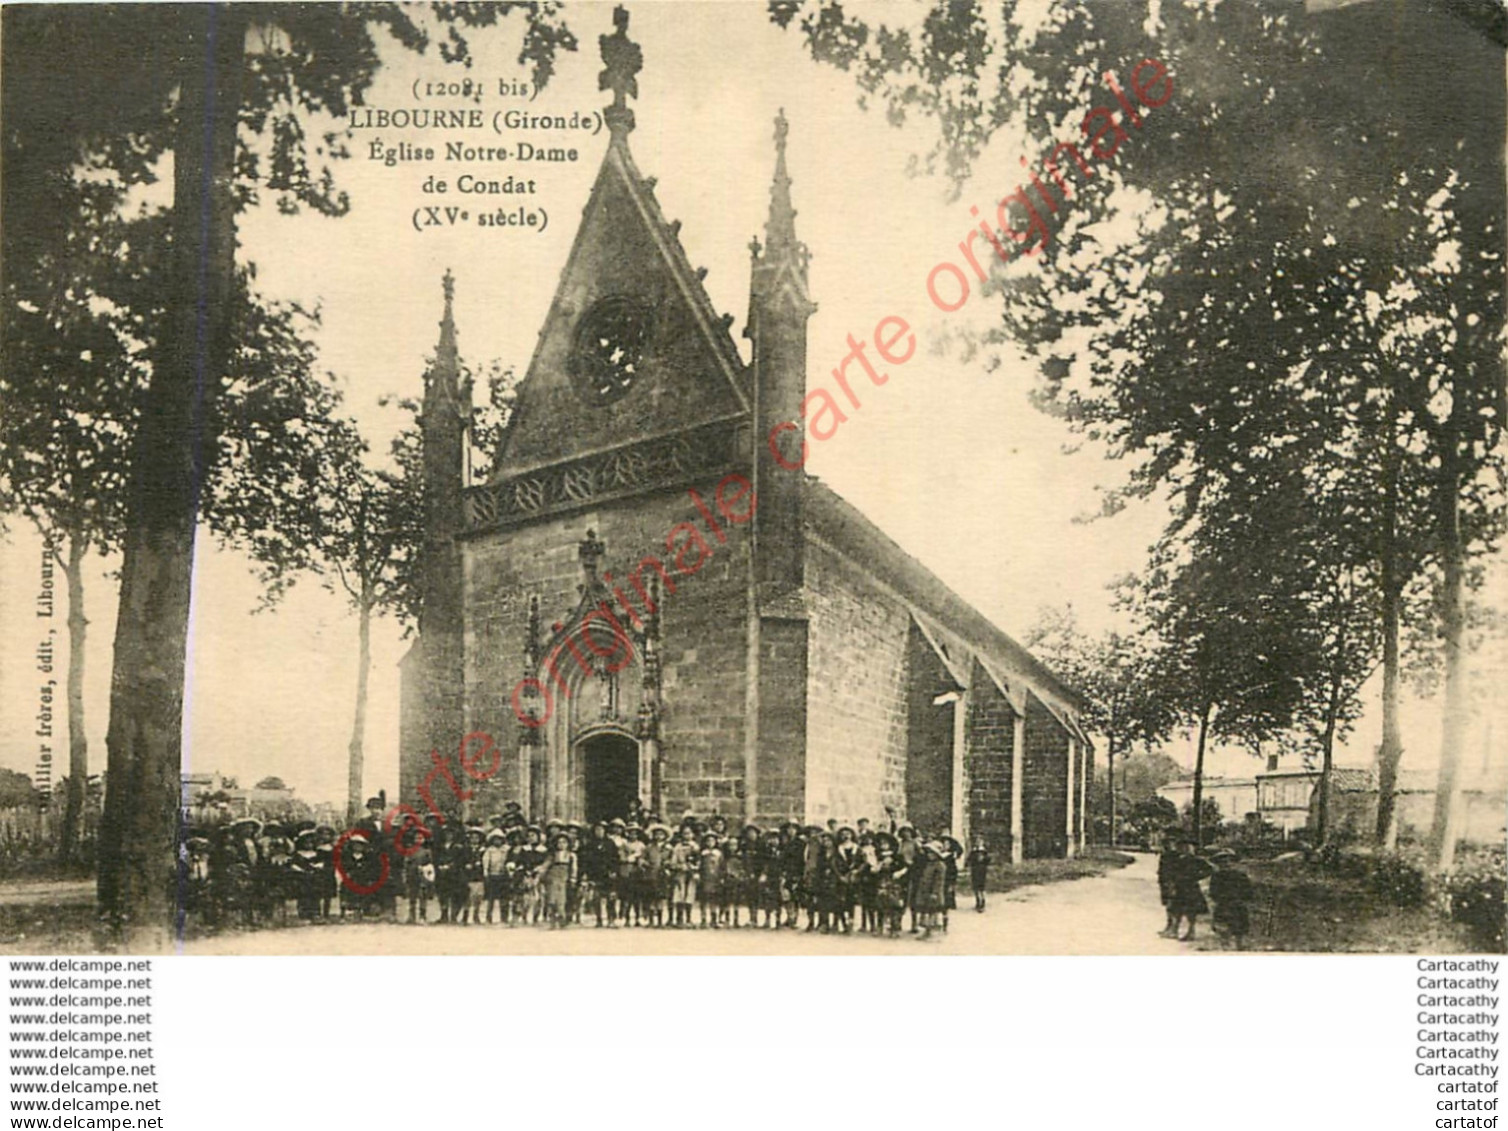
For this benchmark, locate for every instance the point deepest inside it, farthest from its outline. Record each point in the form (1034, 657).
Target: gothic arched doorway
(610, 775)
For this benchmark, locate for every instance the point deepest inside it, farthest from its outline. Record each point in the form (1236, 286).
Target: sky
(949, 457)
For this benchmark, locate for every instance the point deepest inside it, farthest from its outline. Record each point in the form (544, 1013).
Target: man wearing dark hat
(371, 824)
(380, 840)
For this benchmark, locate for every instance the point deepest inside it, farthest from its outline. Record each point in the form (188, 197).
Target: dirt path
(51, 892)
(1117, 913)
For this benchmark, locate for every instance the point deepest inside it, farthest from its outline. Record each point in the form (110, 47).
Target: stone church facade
(649, 599)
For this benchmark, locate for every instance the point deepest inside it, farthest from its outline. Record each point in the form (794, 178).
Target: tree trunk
(1444, 828)
(1110, 782)
(1110, 769)
(1390, 753)
(1204, 728)
(1332, 716)
(1327, 762)
(139, 833)
(78, 739)
(357, 748)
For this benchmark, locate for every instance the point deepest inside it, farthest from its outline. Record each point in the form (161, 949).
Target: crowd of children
(636, 872)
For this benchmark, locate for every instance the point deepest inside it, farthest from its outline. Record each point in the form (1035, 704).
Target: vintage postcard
(753, 478)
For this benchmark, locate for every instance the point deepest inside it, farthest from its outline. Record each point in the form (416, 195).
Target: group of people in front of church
(631, 872)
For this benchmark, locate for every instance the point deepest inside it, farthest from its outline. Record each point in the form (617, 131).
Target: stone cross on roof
(623, 59)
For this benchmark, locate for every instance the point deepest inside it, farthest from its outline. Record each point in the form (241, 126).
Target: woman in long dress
(844, 864)
(929, 897)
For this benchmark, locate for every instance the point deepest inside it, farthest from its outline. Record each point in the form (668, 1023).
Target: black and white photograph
(770, 479)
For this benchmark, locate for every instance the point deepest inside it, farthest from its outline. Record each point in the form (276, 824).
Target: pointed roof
(444, 387)
(447, 348)
(625, 251)
(780, 266)
(780, 228)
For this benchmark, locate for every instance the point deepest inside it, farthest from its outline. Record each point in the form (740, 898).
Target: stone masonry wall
(990, 739)
(929, 736)
(783, 683)
(703, 633)
(1045, 785)
(856, 699)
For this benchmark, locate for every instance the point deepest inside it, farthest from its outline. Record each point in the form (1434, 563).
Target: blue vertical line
(196, 433)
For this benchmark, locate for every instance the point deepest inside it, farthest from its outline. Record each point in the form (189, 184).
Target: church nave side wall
(1045, 783)
(856, 693)
(990, 741)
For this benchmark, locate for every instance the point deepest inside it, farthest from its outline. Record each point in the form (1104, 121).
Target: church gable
(813, 669)
(632, 348)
